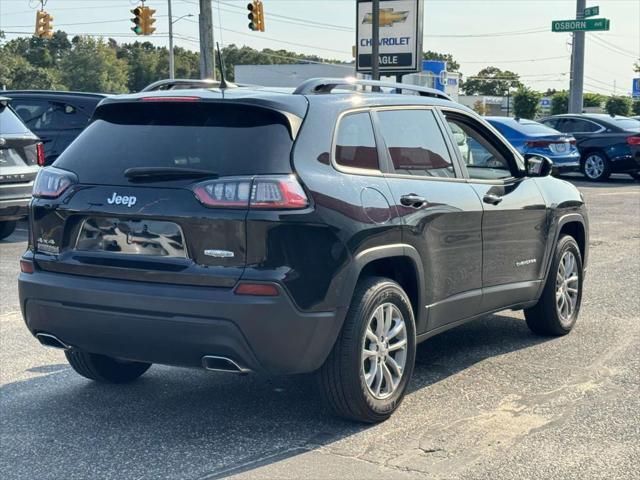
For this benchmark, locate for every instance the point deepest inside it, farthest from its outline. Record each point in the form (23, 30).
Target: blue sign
(545, 102)
(437, 69)
(636, 88)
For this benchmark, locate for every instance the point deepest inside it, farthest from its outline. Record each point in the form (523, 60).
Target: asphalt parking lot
(489, 400)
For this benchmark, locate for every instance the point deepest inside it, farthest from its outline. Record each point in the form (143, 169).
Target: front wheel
(105, 369)
(557, 310)
(367, 372)
(596, 167)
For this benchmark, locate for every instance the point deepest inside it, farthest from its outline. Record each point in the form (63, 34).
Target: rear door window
(223, 138)
(355, 143)
(415, 143)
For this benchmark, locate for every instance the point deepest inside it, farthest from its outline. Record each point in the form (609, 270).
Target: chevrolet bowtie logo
(387, 17)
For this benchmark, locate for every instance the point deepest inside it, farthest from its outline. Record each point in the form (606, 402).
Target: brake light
(538, 143)
(52, 182)
(40, 153)
(170, 99)
(263, 192)
(634, 140)
(573, 141)
(258, 289)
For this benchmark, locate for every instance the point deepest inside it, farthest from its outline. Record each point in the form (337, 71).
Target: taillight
(634, 140)
(573, 141)
(26, 266)
(538, 143)
(40, 153)
(52, 182)
(264, 192)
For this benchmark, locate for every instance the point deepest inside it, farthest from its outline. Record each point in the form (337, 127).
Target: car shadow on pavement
(180, 423)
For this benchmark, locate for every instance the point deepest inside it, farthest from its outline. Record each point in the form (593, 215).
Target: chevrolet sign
(400, 41)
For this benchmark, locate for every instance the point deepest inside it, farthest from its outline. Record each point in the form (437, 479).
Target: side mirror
(538, 165)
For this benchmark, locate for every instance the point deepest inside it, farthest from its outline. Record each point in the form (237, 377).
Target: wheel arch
(399, 262)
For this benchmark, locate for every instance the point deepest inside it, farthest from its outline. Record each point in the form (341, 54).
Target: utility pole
(375, 40)
(172, 69)
(207, 58)
(577, 63)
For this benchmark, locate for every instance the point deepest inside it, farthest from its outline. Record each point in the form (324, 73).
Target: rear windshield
(627, 124)
(225, 139)
(10, 124)
(526, 127)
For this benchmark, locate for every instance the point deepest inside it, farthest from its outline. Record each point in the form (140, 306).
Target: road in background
(488, 399)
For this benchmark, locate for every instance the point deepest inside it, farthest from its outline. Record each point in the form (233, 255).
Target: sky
(509, 34)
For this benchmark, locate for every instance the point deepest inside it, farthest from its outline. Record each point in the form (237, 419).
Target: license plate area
(154, 238)
(559, 147)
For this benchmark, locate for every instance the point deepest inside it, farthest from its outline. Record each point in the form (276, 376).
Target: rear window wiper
(166, 173)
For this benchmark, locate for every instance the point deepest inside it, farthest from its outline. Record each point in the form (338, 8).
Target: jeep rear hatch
(160, 190)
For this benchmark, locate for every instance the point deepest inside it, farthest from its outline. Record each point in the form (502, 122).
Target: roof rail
(326, 85)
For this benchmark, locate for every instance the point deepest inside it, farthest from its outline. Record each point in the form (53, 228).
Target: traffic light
(256, 15)
(148, 21)
(44, 24)
(143, 21)
(137, 20)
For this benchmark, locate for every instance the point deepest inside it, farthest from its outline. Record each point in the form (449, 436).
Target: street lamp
(172, 68)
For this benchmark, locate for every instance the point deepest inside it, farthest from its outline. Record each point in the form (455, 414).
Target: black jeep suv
(322, 230)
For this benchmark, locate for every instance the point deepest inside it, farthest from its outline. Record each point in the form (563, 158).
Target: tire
(550, 316)
(342, 379)
(7, 228)
(596, 166)
(104, 369)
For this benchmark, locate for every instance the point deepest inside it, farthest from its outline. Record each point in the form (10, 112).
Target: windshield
(224, 139)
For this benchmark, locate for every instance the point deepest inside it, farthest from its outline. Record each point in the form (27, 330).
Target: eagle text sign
(400, 36)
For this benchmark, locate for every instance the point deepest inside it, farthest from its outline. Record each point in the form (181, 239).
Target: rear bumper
(175, 324)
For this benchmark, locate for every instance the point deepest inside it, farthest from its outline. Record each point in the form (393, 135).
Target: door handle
(412, 200)
(492, 199)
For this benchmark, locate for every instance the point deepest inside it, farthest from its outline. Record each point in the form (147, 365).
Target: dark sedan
(56, 117)
(607, 143)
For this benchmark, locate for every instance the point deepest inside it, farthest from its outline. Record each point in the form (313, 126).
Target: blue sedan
(532, 137)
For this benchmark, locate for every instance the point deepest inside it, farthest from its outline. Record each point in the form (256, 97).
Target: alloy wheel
(567, 287)
(384, 351)
(594, 166)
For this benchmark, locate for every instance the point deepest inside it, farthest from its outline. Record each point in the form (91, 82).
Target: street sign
(591, 12)
(586, 25)
(636, 88)
(400, 36)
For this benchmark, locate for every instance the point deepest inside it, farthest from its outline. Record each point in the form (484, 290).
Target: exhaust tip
(52, 341)
(222, 364)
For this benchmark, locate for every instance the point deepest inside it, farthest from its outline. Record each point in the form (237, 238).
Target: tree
(618, 105)
(452, 65)
(491, 81)
(593, 100)
(560, 103)
(18, 73)
(635, 108)
(92, 66)
(526, 102)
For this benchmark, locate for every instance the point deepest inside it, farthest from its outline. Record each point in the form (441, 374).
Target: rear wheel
(596, 167)
(557, 310)
(7, 228)
(105, 369)
(367, 372)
